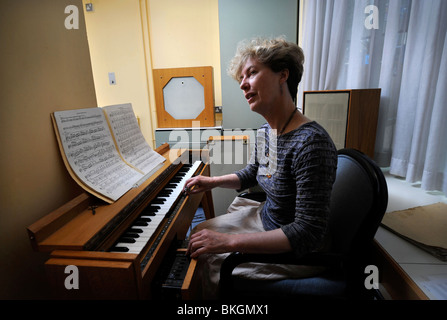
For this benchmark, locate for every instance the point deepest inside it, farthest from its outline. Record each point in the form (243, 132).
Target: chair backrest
(358, 201)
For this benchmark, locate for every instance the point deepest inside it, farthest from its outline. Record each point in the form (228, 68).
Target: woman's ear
(284, 75)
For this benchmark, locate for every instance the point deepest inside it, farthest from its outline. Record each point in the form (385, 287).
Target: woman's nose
(244, 84)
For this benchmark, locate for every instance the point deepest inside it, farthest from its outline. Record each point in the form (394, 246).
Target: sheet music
(130, 140)
(91, 152)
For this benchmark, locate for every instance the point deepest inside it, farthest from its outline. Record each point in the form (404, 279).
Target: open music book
(104, 150)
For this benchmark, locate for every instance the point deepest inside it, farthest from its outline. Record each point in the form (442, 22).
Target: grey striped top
(298, 184)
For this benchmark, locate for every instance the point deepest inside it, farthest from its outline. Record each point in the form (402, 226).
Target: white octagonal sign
(184, 98)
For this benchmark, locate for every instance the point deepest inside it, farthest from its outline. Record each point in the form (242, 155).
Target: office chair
(358, 202)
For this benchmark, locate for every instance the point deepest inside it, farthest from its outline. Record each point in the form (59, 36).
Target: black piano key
(148, 213)
(140, 223)
(151, 208)
(120, 249)
(133, 235)
(126, 240)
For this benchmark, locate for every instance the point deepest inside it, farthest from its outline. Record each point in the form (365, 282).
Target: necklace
(290, 118)
(281, 132)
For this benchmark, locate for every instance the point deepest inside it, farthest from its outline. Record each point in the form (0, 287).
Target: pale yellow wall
(44, 68)
(186, 34)
(132, 37)
(115, 36)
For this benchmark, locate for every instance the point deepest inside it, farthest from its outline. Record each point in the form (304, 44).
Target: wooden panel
(98, 279)
(204, 75)
(362, 120)
(207, 199)
(395, 280)
(191, 284)
(52, 222)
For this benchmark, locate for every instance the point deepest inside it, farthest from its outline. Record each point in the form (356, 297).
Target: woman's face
(261, 86)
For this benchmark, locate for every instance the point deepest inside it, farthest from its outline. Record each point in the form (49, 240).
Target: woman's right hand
(199, 184)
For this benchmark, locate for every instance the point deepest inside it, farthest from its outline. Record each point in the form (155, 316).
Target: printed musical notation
(91, 153)
(130, 141)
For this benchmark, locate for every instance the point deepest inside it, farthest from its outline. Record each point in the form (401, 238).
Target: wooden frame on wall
(204, 75)
(358, 120)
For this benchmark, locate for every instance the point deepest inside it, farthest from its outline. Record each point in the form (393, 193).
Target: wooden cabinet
(349, 116)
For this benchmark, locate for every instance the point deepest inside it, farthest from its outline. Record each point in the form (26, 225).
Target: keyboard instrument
(142, 229)
(119, 248)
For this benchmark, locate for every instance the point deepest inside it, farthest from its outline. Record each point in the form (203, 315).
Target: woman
(294, 162)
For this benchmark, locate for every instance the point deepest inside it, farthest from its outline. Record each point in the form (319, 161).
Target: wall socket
(112, 79)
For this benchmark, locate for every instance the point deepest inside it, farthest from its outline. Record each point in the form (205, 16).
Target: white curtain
(405, 56)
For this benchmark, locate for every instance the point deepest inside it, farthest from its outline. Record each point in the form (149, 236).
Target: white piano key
(156, 219)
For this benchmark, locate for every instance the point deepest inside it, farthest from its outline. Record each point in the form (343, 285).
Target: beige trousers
(243, 216)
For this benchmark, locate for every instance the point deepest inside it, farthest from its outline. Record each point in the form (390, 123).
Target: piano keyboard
(142, 229)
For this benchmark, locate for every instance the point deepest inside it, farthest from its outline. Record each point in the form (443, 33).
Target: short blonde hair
(277, 53)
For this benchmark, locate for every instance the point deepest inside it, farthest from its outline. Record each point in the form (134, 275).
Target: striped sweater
(298, 184)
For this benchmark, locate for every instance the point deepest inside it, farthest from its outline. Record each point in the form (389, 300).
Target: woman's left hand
(208, 241)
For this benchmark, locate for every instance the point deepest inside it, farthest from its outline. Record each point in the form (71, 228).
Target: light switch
(112, 79)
